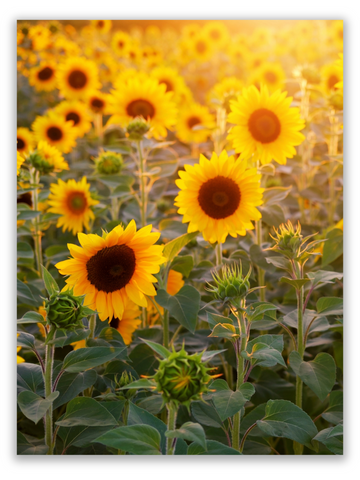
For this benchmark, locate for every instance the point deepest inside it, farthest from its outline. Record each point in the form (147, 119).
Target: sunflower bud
(124, 380)
(137, 128)
(231, 286)
(40, 163)
(64, 310)
(109, 163)
(182, 378)
(288, 240)
(163, 205)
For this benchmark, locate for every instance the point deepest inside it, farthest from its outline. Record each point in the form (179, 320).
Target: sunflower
(101, 26)
(56, 131)
(340, 65)
(172, 80)
(141, 96)
(25, 140)
(266, 127)
(77, 77)
(120, 41)
(331, 76)
(191, 116)
(200, 47)
(337, 33)
(19, 161)
(224, 91)
(40, 37)
(99, 102)
(113, 268)
(217, 33)
(18, 358)
(75, 112)
(52, 156)
(270, 74)
(129, 321)
(43, 77)
(72, 201)
(219, 197)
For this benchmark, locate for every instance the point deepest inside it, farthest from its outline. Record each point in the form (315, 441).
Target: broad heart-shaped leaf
(85, 358)
(189, 431)
(273, 341)
(206, 414)
(212, 448)
(30, 378)
(256, 311)
(112, 336)
(135, 439)
(50, 284)
(272, 215)
(24, 250)
(224, 330)
(333, 247)
(273, 195)
(86, 411)
(142, 383)
(280, 262)
(71, 384)
(172, 248)
(330, 306)
(66, 337)
(263, 355)
(284, 419)
(227, 402)
(26, 340)
(319, 324)
(24, 447)
(31, 317)
(139, 416)
(334, 412)
(33, 406)
(297, 284)
(214, 319)
(184, 306)
(183, 264)
(319, 374)
(332, 438)
(323, 276)
(162, 351)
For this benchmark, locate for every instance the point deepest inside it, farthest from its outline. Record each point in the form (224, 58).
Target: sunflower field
(180, 237)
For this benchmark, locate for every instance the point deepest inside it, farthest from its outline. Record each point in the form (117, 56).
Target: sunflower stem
(261, 272)
(166, 329)
(142, 184)
(98, 122)
(92, 325)
(218, 254)
(49, 358)
(171, 425)
(298, 447)
(35, 179)
(333, 148)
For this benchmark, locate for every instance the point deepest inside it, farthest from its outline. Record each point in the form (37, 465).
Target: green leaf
(139, 416)
(272, 215)
(284, 419)
(33, 406)
(71, 384)
(26, 340)
(57, 252)
(256, 311)
(66, 337)
(31, 317)
(323, 276)
(280, 262)
(80, 436)
(224, 330)
(334, 412)
(206, 414)
(142, 383)
(319, 374)
(162, 351)
(24, 447)
(273, 195)
(135, 439)
(273, 341)
(173, 247)
(30, 378)
(85, 358)
(86, 411)
(263, 355)
(112, 336)
(50, 284)
(227, 402)
(212, 448)
(189, 431)
(24, 250)
(184, 306)
(333, 247)
(25, 295)
(214, 319)
(330, 306)
(295, 283)
(183, 264)
(332, 438)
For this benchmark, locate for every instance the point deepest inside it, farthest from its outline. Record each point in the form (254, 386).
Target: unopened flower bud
(288, 240)
(137, 128)
(230, 286)
(109, 163)
(64, 310)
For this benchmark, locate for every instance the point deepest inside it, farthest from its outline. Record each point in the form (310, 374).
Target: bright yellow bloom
(145, 97)
(225, 90)
(55, 130)
(219, 197)
(73, 202)
(340, 65)
(25, 140)
(102, 26)
(77, 77)
(217, 33)
(266, 127)
(40, 37)
(194, 115)
(19, 161)
(52, 156)
(172, 80)
(99, 102)
(77, 113)
(43, 77)
(119, 43)
(18, 358)
(270, 74)
(129, 322)
(200, 48)
(174, 284)
(111, 269)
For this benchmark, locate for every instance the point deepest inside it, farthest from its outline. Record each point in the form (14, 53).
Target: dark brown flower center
(45, 73)
(201, 46)
(192, 121)
(77, 79)
(54, 133)
(20, 143)
(140, 108)
(270, 77)
(25, 198)
(111, 268)
(169, 85)
(219, 197)
(74, 117)
(332, 81)
(100, 23)
(115, 322)
(97, 103)
(76, 202)
(264, 125)
(121, 44)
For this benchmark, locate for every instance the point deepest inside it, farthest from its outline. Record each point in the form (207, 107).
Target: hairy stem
(35, 179)
(49, 358)
(171, 425)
